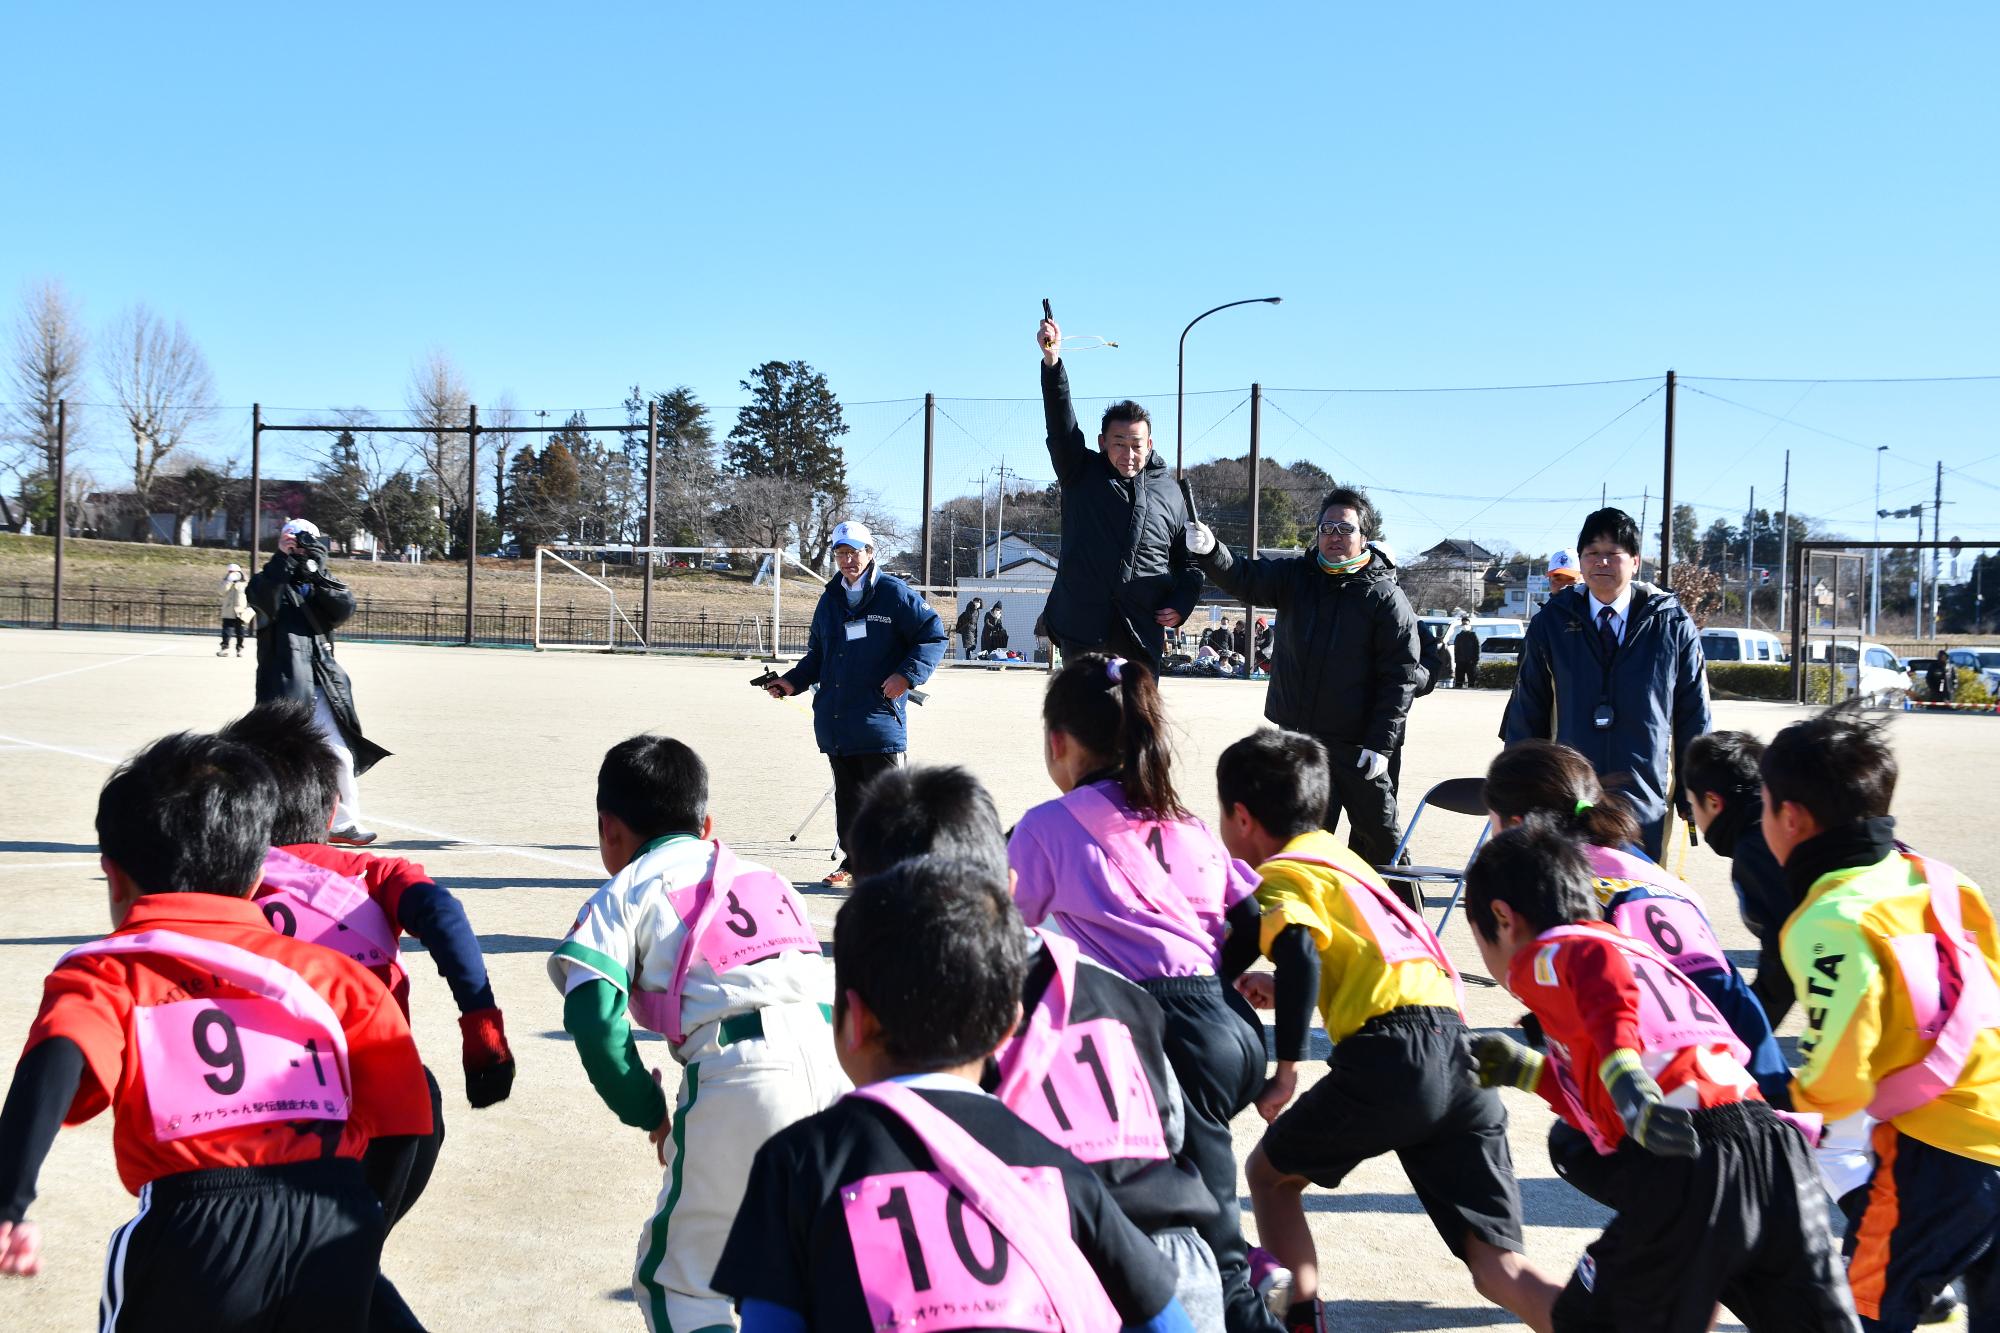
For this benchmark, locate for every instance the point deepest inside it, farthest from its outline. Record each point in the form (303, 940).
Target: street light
(1180, 383)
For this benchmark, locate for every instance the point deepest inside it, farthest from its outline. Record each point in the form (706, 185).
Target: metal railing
(500, 625)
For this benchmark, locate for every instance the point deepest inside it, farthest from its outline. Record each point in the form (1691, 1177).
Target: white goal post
(589, 599)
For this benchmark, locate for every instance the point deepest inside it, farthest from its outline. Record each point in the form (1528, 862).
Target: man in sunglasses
(1346, 663)
(1123, 579)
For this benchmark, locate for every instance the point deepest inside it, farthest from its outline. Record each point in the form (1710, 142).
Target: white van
(1878, 677)
(1500, 639)
(1722, 644)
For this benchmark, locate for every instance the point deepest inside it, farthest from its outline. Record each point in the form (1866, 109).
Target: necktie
(1606, 635)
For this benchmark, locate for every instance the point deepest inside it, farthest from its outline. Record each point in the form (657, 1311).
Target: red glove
(489, 1063)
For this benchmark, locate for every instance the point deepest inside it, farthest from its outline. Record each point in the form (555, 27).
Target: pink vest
(1673, 1015)
(923, 1264)
(1081, 1084)
(1400, 934)
(1672, 919)
(322, 906)
(733, 917)
(1151, 866)
(1952, 990)
(218, 1063)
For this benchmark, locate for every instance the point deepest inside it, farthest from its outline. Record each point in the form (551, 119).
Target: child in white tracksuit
(715, 954)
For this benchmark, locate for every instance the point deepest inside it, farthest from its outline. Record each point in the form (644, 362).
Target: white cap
(854, 533)
(299, 525)
(234, 569)
(1565, 561)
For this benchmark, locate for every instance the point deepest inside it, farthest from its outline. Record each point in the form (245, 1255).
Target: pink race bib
(1677, 926)
(324, 907)
(928, 1260)
(1400, 934)
(757, 916)
(1095, 1099)
(1172, 868)
(218, 1064)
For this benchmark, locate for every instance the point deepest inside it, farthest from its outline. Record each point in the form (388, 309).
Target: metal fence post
(62, 507)
(471, 511)
(652, 519)
(256, 482)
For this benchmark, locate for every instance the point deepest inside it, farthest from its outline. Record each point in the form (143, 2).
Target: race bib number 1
(217, 1064)
(928, 1260)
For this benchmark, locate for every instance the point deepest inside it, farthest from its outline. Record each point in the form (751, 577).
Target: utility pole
(471, 508)
(930, 457)
(1937, 555)
(1875, 556)
(1785, 543)
(652, 517)
(1749, 556)
(1000, 516)
(1645, 499)
(1667, 497)
(62, 508)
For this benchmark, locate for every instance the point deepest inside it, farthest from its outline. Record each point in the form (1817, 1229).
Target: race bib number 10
(928, 1260)
(218, 1064)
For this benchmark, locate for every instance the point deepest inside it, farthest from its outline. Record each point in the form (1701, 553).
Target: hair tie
(1114, 669)
(1582, 806)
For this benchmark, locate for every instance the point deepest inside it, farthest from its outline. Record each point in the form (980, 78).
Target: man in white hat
(299, 605)
(1565, 569)
(873, 640)
(236, 612)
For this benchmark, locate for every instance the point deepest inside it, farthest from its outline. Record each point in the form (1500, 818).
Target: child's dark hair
(1537, 869)
(1613, 524)
(940, 810)
(1838, 765)
(936, 950)
(1723, 763)
(1111, 707)
(1545, 777)
(655, 784)
(1280, 777)
(189, 814)
(304, 770)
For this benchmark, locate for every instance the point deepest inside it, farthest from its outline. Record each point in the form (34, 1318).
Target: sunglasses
(1337, 529)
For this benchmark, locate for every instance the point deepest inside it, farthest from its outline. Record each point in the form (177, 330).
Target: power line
(1467, 524)
(1836, 379)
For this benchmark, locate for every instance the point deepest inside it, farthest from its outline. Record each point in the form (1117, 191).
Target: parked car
(1879, 676)
(1981, 659)
(1721, 643)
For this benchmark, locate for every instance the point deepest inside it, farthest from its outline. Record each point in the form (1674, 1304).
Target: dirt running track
(531, 1219)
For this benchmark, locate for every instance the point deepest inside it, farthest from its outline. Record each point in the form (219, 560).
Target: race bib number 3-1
(1096, 1100)
(928, 1260)
(218, 1064)
(759, 916)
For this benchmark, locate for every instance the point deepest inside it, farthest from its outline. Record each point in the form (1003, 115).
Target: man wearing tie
(1614, 669)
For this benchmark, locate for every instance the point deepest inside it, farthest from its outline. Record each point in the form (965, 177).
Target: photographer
(298, 606)
(235, 609)
(873, 640)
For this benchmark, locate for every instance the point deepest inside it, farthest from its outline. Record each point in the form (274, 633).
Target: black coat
(1466, 648)
(295, 624)
(1124, 555)
(1347, 659)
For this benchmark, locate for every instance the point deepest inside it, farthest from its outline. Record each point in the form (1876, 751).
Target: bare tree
(44, 366)
(761, 510)
(164, 391)
(437, 397)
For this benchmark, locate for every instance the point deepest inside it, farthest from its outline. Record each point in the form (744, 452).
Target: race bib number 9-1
(928, 1260)
(223, 1063)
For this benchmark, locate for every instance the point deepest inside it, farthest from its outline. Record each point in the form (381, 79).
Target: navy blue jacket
(903, 634)
(1656, 685)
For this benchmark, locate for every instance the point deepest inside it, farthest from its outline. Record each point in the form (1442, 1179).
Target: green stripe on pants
(656, 1243)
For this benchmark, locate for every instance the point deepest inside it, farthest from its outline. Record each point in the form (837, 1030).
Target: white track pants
(731, 1100)
(349, 814)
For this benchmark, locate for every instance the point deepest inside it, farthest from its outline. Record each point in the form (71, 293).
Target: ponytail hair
(1111, 707)
(1543, 777)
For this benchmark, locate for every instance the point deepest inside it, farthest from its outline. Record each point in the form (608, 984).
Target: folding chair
(1461, 796)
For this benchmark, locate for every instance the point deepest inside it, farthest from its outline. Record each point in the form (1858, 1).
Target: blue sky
(568, 200)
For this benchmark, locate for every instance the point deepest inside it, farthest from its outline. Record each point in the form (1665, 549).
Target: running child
(362, 904)
(1893, 953)
(1725, 796)
(245, 1072)
(716, 955)
(1640, 898)
(919, 1202)
(1717, 1198)
(1389, 995)
(1144, 888)
(1087, 1065)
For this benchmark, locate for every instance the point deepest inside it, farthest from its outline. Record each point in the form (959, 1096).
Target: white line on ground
(49, 865)
(508, 849)
(116, 661)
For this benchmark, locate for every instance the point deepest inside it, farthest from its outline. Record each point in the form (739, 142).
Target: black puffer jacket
(1347, 659)
(1123, 553)
(296, 615)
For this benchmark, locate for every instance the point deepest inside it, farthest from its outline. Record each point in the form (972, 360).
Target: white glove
(1200, 541)
(1371, 764)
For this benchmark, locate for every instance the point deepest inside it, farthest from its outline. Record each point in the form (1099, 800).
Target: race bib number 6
(222, 1063)
(929, 1260)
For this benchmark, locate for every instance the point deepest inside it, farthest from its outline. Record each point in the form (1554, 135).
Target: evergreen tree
(688, 489)
(790, 431)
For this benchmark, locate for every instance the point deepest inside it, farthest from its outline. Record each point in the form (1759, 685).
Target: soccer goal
(593, 599)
